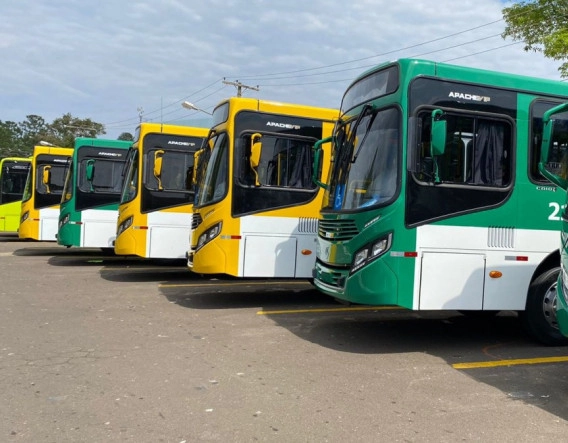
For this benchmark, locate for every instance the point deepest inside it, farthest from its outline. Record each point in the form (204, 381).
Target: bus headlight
(25, 216)
(208, 235)
(124, 226)
(370, 252)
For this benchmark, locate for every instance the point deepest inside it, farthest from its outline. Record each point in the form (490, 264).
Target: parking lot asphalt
(98, 348)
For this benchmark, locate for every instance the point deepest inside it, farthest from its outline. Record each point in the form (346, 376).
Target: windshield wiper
(367, 109)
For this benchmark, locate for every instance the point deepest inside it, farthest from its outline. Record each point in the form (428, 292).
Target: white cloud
(103, 59)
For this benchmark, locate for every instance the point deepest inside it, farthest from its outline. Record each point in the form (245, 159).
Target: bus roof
(474, 75)
(101, 142)
(281, 107)
(54, 150)
(166, 128)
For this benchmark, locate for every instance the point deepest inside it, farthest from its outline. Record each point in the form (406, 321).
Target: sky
(119, 62)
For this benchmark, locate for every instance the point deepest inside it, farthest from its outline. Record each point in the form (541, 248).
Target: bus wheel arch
(551, 261)
(539, 316)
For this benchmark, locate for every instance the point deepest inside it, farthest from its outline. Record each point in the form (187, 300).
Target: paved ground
(100, 349)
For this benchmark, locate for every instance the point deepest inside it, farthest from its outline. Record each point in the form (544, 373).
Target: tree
(11, 139)
(18, 139)
(64, 130)
(543, 26)
(126, 136)
(32, 130)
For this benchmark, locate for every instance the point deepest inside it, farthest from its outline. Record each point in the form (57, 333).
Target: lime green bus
(256, 205)
(89, 206)
(435, 199)
(42, 194)
(13, 174)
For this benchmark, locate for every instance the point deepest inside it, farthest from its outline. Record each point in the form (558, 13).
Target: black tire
(539, 316)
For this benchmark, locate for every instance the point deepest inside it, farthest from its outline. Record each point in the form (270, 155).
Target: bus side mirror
(547, 132)
(90, 172)
(255, 151)
(316, 167)
(438, 133)
(46, 178)
(158, 156)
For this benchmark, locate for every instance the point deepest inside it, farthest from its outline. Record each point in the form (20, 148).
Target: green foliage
(18, 139)
(126, 136)
(543, 27)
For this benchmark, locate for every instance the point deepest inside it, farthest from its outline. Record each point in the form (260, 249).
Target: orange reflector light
(495, 274)
(306, 252)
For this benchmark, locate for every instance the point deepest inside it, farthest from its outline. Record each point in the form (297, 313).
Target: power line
(376, 55)
(482, 52)
(392, 51)
(287, 74)
(160, 109)
(411, 56)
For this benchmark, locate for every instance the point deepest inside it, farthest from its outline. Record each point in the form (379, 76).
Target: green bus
(13, 175)
(91, 194)
(554, 166)
(435, 200)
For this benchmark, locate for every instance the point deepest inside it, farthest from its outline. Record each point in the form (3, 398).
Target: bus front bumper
(210, 259)
(375, 284)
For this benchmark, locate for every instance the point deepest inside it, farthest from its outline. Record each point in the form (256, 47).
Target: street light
(192, 107)
(44, 143)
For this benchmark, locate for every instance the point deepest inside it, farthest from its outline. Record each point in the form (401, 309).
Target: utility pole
(240, 86)
(140, 110)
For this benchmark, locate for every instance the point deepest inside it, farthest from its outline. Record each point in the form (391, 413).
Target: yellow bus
(256, 203)
(44, 186)
(13, 174)
(154, 215)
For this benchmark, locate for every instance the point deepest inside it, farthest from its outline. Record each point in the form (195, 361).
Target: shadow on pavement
(449, 335)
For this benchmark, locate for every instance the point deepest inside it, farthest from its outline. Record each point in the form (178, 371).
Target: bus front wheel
(539, 316)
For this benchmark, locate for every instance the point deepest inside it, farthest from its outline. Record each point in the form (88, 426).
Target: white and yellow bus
(154, 215)
(42, 194)
(256, 204)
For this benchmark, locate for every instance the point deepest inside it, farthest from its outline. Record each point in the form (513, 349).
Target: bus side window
(452, 162)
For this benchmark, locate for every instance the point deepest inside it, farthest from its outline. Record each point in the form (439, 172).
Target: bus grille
(337, 280)
(308, 225)
(195, 221)
(338, 230)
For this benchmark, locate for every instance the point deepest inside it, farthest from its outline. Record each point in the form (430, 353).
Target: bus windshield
(13, 181)
(212, 183)
(68, 185)
(130, 177)
(365, 171)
